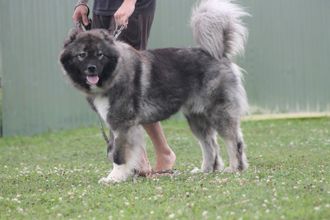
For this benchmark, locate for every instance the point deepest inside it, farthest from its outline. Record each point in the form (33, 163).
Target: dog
(129, 88)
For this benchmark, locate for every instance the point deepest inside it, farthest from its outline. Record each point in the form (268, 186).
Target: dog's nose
(91, 68)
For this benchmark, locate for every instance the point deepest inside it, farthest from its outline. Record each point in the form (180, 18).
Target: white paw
(111, 180)
(230, 170)
(118, 174)
(105, 181)
(196, 170)
(219, 168)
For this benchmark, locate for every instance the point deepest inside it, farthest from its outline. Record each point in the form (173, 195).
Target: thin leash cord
(116, 34)
(80, 26)
(118, 31)
(105, 137)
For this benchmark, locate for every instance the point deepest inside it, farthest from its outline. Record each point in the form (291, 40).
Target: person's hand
(124, 12)
(80, 14)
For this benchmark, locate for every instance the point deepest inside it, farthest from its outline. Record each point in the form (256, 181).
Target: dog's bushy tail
(218, 27)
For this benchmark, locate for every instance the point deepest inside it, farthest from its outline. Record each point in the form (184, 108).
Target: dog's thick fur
(129, 87)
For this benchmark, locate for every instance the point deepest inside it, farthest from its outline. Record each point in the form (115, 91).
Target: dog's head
(89, 58)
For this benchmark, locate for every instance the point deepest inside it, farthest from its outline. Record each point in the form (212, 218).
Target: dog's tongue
(93, 80)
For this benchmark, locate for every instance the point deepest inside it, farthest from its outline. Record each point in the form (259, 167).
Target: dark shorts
(137, 32)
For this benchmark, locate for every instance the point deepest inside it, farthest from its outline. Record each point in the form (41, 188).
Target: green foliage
(54, 176)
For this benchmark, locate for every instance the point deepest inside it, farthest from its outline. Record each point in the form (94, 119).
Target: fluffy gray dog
(129, 88)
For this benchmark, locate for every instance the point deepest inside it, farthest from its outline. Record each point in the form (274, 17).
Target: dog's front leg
(127, 147)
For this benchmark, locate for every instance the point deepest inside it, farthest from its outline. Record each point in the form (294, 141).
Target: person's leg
(165, 157)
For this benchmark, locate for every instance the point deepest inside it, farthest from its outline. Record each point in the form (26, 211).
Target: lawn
(54, 176)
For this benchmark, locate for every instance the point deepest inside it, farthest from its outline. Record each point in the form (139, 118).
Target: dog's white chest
(102, 106)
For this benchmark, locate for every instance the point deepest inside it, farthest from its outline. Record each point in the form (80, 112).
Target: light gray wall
(36, 97)
(288, 54)
(286, 59)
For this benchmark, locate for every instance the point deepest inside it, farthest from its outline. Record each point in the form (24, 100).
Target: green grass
(54, 176)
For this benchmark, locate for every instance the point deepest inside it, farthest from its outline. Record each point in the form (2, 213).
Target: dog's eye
(99, 54)
(82, 55)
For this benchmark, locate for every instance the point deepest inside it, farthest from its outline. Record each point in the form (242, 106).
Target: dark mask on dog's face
(89, 58)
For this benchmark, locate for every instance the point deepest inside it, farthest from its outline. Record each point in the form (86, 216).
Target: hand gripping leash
(118, 30)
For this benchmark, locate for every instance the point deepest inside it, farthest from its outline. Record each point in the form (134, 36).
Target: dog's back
(200, 77)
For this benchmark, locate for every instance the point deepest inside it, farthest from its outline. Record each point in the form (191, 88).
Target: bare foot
(165, 157)
(165, 161)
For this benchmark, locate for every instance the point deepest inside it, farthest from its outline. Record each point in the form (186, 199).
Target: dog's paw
(233, 169)
(105, 181)
(196, 170)
(230, 170)
(111, 180)
(118, 174)
(203, 170)
(219, 167)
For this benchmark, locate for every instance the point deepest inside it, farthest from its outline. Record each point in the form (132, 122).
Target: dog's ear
(71, 36)
(106, 36)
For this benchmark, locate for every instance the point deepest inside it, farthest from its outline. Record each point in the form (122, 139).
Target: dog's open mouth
(92, 80)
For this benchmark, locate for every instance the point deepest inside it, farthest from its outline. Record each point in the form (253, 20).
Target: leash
(102, 129)
(118, 30)
(108, 140)
(80, 26)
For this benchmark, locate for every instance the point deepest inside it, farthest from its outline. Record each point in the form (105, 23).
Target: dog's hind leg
(127, 147)
(229, 129)
(206, 135)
